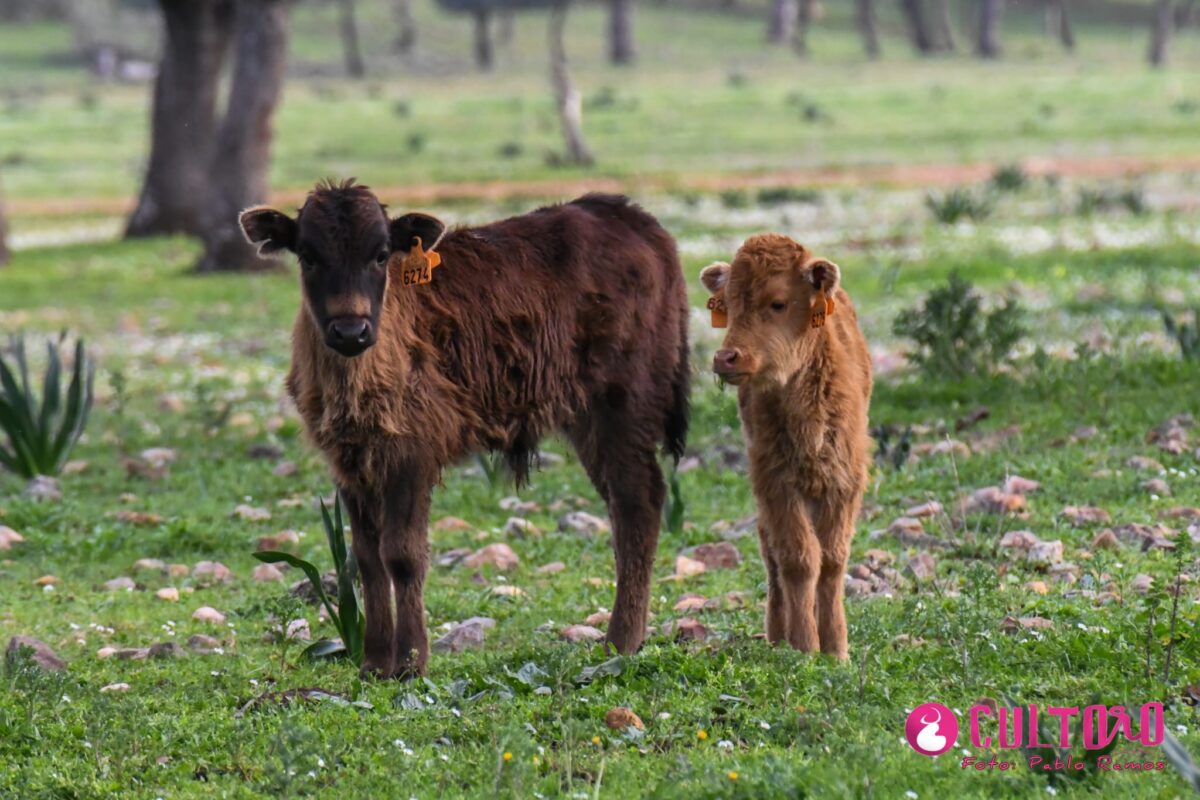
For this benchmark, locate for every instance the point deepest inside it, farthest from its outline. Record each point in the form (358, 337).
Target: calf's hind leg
(626, 473)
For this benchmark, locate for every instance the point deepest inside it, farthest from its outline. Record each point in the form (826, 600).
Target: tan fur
(803, 394)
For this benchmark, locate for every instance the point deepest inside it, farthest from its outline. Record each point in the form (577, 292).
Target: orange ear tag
(418, 265)
(820, 311)
(716, 304)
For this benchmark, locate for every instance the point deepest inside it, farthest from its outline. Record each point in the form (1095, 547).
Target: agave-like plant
(43, 430)
(346, 615)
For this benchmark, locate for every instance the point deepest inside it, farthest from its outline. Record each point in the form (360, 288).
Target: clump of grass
(346, 615)
(1186, 334)
(43, 430)
(1092, 200)
(958, 204)
(1009, 178)
(734, 198)
(778, 195)
(510, 150)
(955, 336)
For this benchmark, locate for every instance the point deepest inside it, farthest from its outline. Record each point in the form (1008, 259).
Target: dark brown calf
(572, 318)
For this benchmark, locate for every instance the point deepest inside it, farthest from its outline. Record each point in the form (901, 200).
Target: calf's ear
(404, 231)
(715, 276)
(269, 229)
(824, 275)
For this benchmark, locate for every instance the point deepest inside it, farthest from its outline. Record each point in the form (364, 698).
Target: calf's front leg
(404, 550)
(796, 551)
(365, 509)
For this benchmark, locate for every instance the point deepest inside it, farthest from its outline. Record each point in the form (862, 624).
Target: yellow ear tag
(821, 310)
(418, 265)
(716, 304)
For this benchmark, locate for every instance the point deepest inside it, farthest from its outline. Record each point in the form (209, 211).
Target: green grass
(197, 363)
(788, 725)
(707, 97)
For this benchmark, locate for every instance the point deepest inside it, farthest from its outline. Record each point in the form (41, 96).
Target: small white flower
(1183, 729)
(67, 699)
(1052, 790)
(320, 762)
(911, 794)
(766, 726)
(664, 715)
(725, 744)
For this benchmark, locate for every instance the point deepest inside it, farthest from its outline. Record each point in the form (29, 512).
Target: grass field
(196, 365)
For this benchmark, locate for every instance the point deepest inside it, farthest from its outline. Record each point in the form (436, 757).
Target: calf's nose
(350, 330)
(725, 360)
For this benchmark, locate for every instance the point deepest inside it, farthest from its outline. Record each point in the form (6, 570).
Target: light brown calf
(803, 374)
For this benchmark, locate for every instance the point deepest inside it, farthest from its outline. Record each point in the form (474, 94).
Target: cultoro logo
(931, 729)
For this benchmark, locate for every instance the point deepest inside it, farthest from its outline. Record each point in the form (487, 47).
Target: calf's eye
(778, 306)
(382, 258)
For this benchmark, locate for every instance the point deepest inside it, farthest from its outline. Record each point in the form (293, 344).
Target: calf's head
(776, 295)
(344, 241)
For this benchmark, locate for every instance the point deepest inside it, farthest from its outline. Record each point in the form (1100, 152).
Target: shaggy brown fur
(804, 384)
(572, 318)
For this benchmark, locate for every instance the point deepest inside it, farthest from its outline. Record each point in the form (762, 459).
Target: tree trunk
(183, 118)
(987, 44)
(781, 22)
(505, 26)
(918, 26)
(570, 104)
(943, 28)
(1160, 34)
(348, 26)
(406, 24)
(240, 163)
(805, 13)
(1184, 14)
(620, 31)
(868, 27)
(485, 57)
(1058, 23)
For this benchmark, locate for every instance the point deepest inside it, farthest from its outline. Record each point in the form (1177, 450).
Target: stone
(200, 643)
(519, 528)
(166, 650)
(922, 566)
(717, 555)
(581, 633)
(552, 568)
(208, 614)
(266, 573)
(1046, 552)
(121, 584)
(583, 523)
(207, 572)
(498, 555)
(620, 718)
(43, 656)
(686, 567)
(468, 635)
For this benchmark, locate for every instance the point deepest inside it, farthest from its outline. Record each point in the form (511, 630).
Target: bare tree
(987, 42)
(943, 28)
(351, 50)
(868, 27)
(239, 167)
(806, 12)
(485, 52)
(1058, 23)
(781, 22)
(620, 31)
(918, 26)
(184, 117)
(570, 103)
(406, 25)
(1160, 33)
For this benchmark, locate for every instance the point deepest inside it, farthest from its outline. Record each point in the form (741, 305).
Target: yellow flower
(732, 775)
(507, 756)
(595, 740)
(537, 760)
(702, 735)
